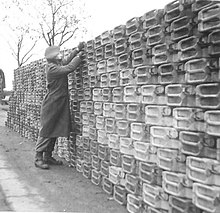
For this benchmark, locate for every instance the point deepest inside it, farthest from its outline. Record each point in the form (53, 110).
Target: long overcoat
(55, 110)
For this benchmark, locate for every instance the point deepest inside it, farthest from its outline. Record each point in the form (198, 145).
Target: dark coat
(55, 110)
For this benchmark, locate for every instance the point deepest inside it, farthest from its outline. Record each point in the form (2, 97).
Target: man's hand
(80, 54)
(80, 46)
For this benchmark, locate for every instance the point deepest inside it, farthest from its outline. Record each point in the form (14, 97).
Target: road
(25, 188)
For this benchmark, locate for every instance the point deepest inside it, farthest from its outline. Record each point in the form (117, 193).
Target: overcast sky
(105, 15)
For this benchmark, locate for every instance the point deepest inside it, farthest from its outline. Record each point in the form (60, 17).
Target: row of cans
(124, 174)
(127, 126)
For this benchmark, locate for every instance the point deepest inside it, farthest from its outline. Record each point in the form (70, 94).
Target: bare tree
(59, 22)
(19, 36)
(20, 50)
(55, 22)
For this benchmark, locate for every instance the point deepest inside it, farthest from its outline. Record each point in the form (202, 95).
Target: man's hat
(51, 52)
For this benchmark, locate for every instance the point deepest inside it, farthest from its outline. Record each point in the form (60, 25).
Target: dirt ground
(63, 188)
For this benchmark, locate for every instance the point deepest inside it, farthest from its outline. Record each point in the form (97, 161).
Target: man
(55, 111)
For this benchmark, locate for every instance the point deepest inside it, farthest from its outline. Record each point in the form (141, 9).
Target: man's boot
(39, 162)
(50, 160)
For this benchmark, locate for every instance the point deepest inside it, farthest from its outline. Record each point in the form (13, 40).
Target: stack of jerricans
(145, 110)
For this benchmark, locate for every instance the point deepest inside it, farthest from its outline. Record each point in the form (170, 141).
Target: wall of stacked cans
(145, 110)
(29, 88)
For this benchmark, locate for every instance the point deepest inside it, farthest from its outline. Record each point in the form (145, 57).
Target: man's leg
(48, 154)
(41, 146)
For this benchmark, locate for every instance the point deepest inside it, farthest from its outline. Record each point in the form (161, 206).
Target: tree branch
(19, 49)
(13, 51)
(61, 43)
(44, 36)
(32, 47)
(62, 33)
